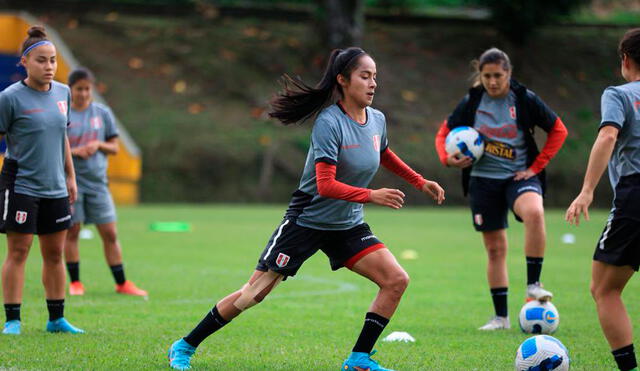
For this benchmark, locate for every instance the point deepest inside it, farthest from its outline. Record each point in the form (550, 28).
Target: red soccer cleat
(76, 288)
(129, 288)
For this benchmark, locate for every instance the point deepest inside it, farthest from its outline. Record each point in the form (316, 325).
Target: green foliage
(518, 19)
(310, 322)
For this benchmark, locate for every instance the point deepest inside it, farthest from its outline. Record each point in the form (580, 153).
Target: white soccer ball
(543, 353)
(539, 317)
(467, 141)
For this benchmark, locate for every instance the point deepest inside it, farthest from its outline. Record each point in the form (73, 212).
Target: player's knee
(253, 293)
(18, 254)
(398, 282)
(52, 256)
(74, 232)
(534, 215)
(110, 237)
(497, 252)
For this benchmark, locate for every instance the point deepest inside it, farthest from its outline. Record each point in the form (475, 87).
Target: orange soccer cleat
(76, 288)
(129, 288)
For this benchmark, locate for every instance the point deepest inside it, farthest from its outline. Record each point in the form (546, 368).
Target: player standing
(616, 255)
(510, 174)
(93, 135)
(34, 192)
(348, 142)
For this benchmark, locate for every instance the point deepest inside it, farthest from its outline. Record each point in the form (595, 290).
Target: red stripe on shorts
(354, 259)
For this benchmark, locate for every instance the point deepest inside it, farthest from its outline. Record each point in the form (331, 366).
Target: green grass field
(311, 321)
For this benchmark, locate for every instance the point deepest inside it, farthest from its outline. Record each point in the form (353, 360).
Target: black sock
(12, 311)
(211, 323)
(499, 297)
(56, 309)
(625, 358)
(374, 324)
(534, 267)
(118, 273)
(74, 271)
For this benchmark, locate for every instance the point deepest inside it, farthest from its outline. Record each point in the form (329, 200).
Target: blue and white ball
(539, 317)
(465, 140)
(542, 353)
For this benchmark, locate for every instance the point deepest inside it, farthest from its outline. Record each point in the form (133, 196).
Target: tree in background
(519, 19)
(343, 22)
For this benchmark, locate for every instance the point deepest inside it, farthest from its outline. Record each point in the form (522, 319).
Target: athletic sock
(74, 271)
(374, 324)
(534, 267)
(625, 358)
(12, 312)
(211, 323)
(56, 309)
(499, 297)
(118, 273)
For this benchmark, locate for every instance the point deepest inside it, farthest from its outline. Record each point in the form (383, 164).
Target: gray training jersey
(355, 150)
(620, 106)
(35, 124)
(94, 123)
(505, 150)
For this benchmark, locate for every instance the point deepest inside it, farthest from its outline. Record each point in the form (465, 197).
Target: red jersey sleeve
(440, 139)
(329, 187)
(555, 139)
(392, 162)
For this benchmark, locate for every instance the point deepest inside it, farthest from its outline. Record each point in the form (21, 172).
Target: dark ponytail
(630, 45)
(35, 34)
(298, 101)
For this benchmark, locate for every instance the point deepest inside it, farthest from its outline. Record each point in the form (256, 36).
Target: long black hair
(299, 101)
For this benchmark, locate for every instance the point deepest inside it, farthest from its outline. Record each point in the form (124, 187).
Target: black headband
(358, 54)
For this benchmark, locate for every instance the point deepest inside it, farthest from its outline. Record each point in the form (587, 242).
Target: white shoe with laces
(536, 292)
(497, 323)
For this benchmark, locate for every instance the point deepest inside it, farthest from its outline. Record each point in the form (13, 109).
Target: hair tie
(39, 43)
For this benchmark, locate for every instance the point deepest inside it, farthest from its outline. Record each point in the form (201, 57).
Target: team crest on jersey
(376, 142)
(96, 123)
(282, 260)
(512, 112)
(62, 106)
(636, 105)
(477, 219)
(21, 217)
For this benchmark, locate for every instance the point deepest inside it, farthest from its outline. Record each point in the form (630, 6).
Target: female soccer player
(510, 174)
(348, 142)
(616, 255)
(35, 193)
(93, 136)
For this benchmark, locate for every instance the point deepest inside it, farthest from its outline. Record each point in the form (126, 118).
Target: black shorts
(491, 200)
(291, 245)
(619, 243)
(27, 214)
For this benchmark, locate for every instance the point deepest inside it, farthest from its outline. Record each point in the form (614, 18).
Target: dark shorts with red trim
(291, 245)
(491, 199)
(619, 243)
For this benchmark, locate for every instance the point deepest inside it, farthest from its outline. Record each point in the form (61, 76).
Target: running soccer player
(510, 174)
(616, 255)
(348, 143)
(93, 136)
(35, 193)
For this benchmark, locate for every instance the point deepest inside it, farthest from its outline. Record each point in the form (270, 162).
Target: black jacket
(531, 111)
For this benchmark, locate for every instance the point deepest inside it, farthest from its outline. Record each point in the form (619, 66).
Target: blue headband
(39, 43)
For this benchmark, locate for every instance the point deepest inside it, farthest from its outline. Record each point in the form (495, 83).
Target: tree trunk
(343, 21)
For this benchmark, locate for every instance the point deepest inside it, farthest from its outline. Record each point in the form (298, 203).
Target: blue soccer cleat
(360, 361)
(11, 327)
(180, 354)
(62, 325)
